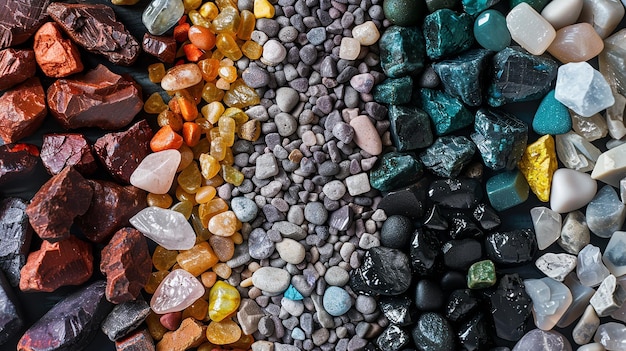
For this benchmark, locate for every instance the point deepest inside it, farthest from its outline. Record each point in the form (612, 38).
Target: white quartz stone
(529, 29)
(586, 327)
(604, 15)
(358, 184)
(583, 89)
(576, 152)
(176, 292)
(547, 226)
(550, 301)
(561, 13)
(349, 49)
(156, 171)
(611, 166)
(571, 190)
(591, 128)
(609, 297)
(615, 254)
(612, 336)
(615, 117)
(556, 266)
(167, 228)
(605, 213)
(594, 346)
(590, 269)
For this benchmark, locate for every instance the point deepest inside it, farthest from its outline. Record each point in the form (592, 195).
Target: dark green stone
(448, 155)
(402, 51)
(404, 13)
(447, 33)
(490, 30)
(481, 274)
(394, 91)
(520, 76)
(538, 5)
(474, 7)
(410, 128)
(395, 170)
(447, 112)
(500, 137)
(434, 5)
(464, 75)
(433, 332)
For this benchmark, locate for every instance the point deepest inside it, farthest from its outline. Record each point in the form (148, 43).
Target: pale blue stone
(605, 213)
(336, 301)
(293, 294)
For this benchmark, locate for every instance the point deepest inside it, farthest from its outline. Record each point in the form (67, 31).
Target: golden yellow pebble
(263, 9)
(246, 283)
(538, 164)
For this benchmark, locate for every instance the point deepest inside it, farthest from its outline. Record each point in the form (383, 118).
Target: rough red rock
(62, 198)
(161, 47)
(140, 340)
(65, 262)
(16, 66)
(122, 152)
(19, 19)
(17, 161)
(22, 110)
(127, 264)
(57, 57)
(62, 150)
(15, 236)
(112, 205)
(95, 28)
(100, 98)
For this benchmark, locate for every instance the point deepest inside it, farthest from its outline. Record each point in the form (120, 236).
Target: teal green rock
(481, 274)
(394, 91)
(404, 13)
(491, 32)
(538, 5)
(404, 122)
(447, 33)
(448, 155)
(402, 51)
(506, 190)
(447, 112)
(474, 7)
(500, 137)
(464, 76)
(552, 117)
(434, 5)
(395, 170)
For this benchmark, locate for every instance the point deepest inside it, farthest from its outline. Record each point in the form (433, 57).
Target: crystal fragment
(611, 166)
(550, 301)
(591, 128)
(574, 233)
(124, 318)
(615, 254)
(611, 62)
(543, 340)
(547, 225)
(11, 319)
(556, 266)
(402, 51)
(576, 43)
(510, 308)
(611, 335)
(581, 295)
(15, 238)
(446, 111)
(448, 155)
(605, 213)
(176, 292)
(447, 33)
(561, 13)
(576, 152)
(156, 171)
(609, 297)
(590, 269)
(500, 137)
(462, 76)
(161, 15)
(583, 89)
(538, 165)
(167, 228)
(604, 15)
(383, 271)
(405, 120)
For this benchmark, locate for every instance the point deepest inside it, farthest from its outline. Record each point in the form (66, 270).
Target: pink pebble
(366, 136)
(171, 320)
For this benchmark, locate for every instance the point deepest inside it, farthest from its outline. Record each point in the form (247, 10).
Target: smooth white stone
(349, 49)
(155, 174)
(529, 29)
(556, 266)
(161, 15)
(571, 190)
(540, 340)
(561, 13)
(271, 280)
(167, 228)
(612, 336)
(547, 226)
(589, 268)
(611, 166)
(594, 346)
(366, 33)
(605, 213)
(574, 233)
(613, 143)
(583, 89)
(291, 251)
(358, 184)
(580, 300)
(176, 292)
(604, 15)
(615, 117)
(576, 152)
(609, 297)
(550, 301)
(614, 256)
(586, 326)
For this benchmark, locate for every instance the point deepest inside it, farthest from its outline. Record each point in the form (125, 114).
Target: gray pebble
(298, 334)
(365, 304)
(268, 26)
(287, 98)
(336, 276)
(259, 37)
(266, 326)
(328, 67)
(316, 36)
(286, 124)
(266, 166)
(295, 215)
(255, 77)
(328, 168)
(244, 208)
(288, 34)
(272, 214)
(315, 213)
(295, 308)
(320, 336)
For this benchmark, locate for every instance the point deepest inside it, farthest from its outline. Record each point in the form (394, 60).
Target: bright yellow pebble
(224, 299)
(209, 10)
(538, 165)
(222, 333)
(263, 9)
(223, 224)
(154, 104)
(209, 165)
(232, 175)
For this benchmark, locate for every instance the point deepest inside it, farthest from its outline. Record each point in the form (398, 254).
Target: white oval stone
(176, 292)
(291, 251)
(561, 13)
(366, 33)
(181, 77)
(350, 49)
(611, 166)
(571, 190)
(556, 266)
(271, 280)
(529, 29)
(155, 174)
(167, 228)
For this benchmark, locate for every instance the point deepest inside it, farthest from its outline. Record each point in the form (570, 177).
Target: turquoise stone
(447, 32)
(464, 75)
(447, 112)
(404, 13)
(404, 122)
(394, 91)
(500, 137)
(293, 294)
(491, 32)
(402, 51)
(507, 189)
(448, 155)
(474, 7)
(434, 5)
(552, 117)
(395, 170)
(538, 5)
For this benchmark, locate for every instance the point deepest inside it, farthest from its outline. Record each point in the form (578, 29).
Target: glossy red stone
(16, 66)
(17, 161)
(61, 150)
(22, 110)
(56, 56)
(19, 20)
(161, 47)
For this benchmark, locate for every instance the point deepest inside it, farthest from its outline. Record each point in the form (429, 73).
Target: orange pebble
(202, 37)
(208, 279)
(180, 32)
(192, 52)
(166, 138)
(191, 133)
(188, 109)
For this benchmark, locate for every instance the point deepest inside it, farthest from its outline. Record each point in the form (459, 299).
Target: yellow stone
(538, 165)
(263, 9)
(223, 333)
(224, 300)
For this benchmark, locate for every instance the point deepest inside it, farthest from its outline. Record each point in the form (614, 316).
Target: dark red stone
(100, 98)
(161, 47)
(171, 320)
(140, 340)
(65, 262)
(16, 66)
(15, 236)
(127, 264)
(22, 110)
(20, 19)
(71, 324)
(56, 56)
(112, 205)
(95, 28)
(64, 197)
(62, 150)
(11, 320)
(17, 161)
(122, 152)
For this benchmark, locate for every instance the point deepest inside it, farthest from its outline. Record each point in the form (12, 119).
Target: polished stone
(402, 51)
(167, 228)
(611, 335)
(561, 13)
(510, 308)
(541, 340)
(481, 274)
(605, 213)
(511, 248)
(590, 269)
(611, 166)
(615, 254)
(447, 33)
(581, 295)
(576, 43)
(464, 75)
(384, 271)
(506, 190)
(433, 332)
(583, 89)
(448, 155)
(571, 190)
(490, 30)
(474, 7)
(405, 120)
(404, 13)
(447, 112)
(604, 15)
(550, 301)
(176, 292)
(161, 15)
(529, 29)
(552, 117)
(547, 225)
(615, 117)
(611, 61)
(156, 171)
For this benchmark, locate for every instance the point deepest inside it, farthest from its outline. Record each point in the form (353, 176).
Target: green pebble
(491, 32)
(395, 170)
(447, 32)
(402, 51)
(481, 274)
(552, 117)
(474, 7)
(507, 189)
(394, 91)
(404, 13)
(446, 111)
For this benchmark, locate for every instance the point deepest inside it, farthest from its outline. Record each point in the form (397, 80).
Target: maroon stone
(171, 320)
(112, 205)
(16, 66)
(122, 152)
(22, 110)
(95, 28)
(65, 262)
(127, 264)
(15, 236)
(17, 161)
(161, 47)
(64, 197)
(20, 19)
(140, 340)
(62, 150)
(99, 98)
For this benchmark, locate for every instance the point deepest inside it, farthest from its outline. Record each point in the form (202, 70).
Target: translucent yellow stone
(159, 200)
(163, 259)
(190, 179)
(210, 166)
(198, 310)
(222, 270)
(198, 259)
(222, 333)
(232, 175)
(183, 207)
(209, 10)
(229, 158)
(191, 4)
(186, 157)
(205, 194)
(155, 279)
(237, 114)
(198, 20)
(223, 224)
(263, 9)
(182, 195)
(223, 301)
(538, 165)
(154, 104)
(208, 210)
(252, 50)
(227, 128)
(218, 148)
(156, 72)
(155, 328)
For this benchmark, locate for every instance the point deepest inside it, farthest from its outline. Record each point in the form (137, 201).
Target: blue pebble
(293, 294)
(298, 334)
(552, 117)
(507, 189)
(244, 208)
(336, 301)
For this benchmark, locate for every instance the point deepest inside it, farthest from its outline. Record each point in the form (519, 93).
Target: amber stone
(224, 332)
(155, 328)
(67, 149)
(139, 340)
(16, 66)
(576, 43)
(65, 262)
(163, 259)
(190, 334)
(22, 110)
(161, 47)
(198, 259)
(18, 161)
(224, 300)
(56, 56)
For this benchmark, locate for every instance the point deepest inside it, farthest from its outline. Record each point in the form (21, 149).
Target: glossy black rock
(433, 332)
(392, 339)
(428, 295)
(384, 271)
(462, 226)
(409, 201)
(510, 308)
(456, 193)
(397, 309)
(125, 318)
(512, 247)
(486, 217)
(396, 232)
(425, 252)
(475, 333)
(460, 254)
(461, 303)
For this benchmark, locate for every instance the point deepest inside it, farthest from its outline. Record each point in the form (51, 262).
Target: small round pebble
(365, 304)
(287, 98)
(245, 209)
(336, 276)
(334, 190)
(315, 213)
(336, 301)
(273, 52)
(396, 232)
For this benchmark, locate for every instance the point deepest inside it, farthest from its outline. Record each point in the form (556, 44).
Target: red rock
(64, 197)
(17, 161)
(62, 150)
(140, 340)
(171, 320)
(65, 262)
(112, 205)
(19, 19)
(161, 47)
(57, 57)
(127, 264)
(22, 110)
(100, 98)
(16, 66)
(122, 152)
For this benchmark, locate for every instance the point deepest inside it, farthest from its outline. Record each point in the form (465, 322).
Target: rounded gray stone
(287, 98)
(315, 213)
(286, 124)
(245, 209)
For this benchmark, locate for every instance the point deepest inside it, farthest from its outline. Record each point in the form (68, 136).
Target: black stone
(453, 280)
(396, 232)
(384, 271)
(425, 252)
(486, 216)
(456, 193)
(433, 332)
(405, 121)
(461, 303)
(11, 320)
(434, 220)
(511, 248)
(464, 75)
(460, 254)
(124, 318)
(15, 236)
(392, 339)
(397, 309)
(510, 308)
(409, 201)
(462, 226)
(428, 295)
(474, 334)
